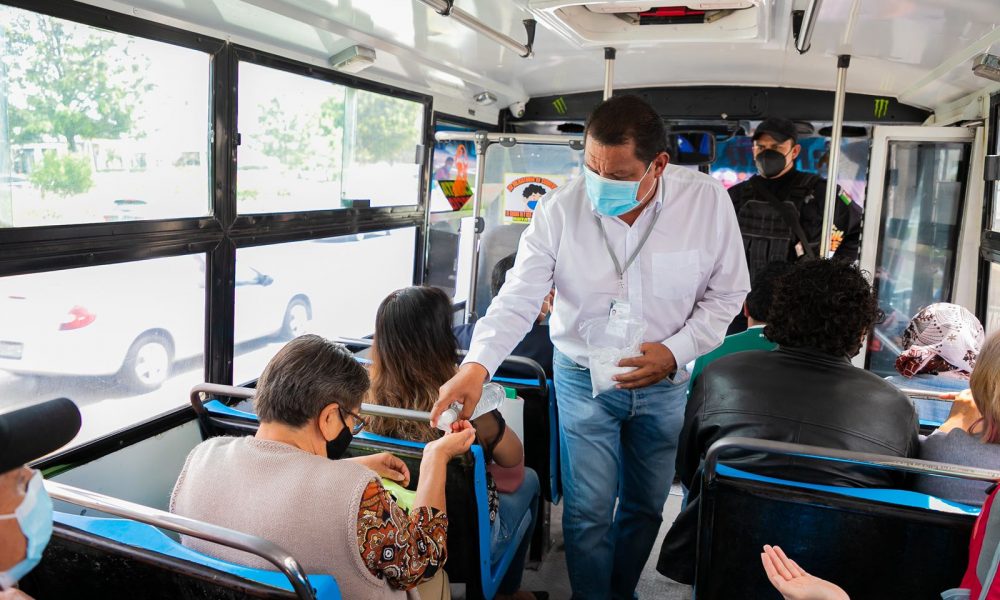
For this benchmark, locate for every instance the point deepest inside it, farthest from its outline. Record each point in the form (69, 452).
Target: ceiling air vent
(620, 23)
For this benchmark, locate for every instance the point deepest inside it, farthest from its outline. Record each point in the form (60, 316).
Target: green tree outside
(64, 176)
(68, 87)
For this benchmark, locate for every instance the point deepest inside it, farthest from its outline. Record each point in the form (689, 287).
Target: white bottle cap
(446, 419)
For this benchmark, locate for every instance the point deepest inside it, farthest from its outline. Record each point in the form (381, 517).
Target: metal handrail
(217, 389)
(894, 463)
(265, 549)
(505, 139)
(932, 395)
(245, 393)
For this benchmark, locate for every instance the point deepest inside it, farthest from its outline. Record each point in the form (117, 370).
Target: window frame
(37, 249)
(989, 248)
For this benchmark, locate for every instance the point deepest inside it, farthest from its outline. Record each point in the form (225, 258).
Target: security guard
(780, 210)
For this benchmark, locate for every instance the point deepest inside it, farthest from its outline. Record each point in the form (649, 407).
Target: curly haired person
(806, 391)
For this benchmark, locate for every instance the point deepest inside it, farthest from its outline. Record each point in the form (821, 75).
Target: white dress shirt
(687, 284)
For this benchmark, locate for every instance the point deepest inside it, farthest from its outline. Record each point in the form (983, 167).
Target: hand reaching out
(792, 582)
(386, 465)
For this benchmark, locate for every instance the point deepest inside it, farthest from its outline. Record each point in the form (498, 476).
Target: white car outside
(133, 319)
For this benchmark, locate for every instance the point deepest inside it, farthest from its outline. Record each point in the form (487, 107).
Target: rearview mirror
(691, 147)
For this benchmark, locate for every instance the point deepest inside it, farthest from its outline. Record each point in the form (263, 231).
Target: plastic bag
(609, 340)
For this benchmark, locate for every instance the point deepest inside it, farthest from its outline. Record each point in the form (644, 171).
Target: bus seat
(115, 558)
(541, 451)
(150, 541)
(541, 428)
(874, 543)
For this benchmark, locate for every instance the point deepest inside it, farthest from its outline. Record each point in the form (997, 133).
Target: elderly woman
(288, 483)
(940, 346)
(971, 435)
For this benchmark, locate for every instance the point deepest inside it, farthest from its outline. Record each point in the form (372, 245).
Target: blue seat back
(875, 543)
(141, 535)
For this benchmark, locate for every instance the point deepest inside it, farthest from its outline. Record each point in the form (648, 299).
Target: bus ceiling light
(354, 59)
(485, 98)
(987, 65)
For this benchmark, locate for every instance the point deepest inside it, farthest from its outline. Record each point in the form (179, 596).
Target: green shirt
(751, 339)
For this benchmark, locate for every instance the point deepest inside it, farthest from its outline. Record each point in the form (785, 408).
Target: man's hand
(386, 465)
(656, 363)
(465, 388)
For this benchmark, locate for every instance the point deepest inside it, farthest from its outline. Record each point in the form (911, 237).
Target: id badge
(620, 310)
(618, 317)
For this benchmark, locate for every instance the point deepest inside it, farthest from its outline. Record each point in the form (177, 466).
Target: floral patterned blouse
(402, 548)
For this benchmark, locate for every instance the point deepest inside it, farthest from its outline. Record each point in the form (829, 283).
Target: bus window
(516, 179)
(291, 149)
(308, 144)
(100, 126)
(734, 162)
(124, 341)
(330, 287)
(380, 163)
(919, 234)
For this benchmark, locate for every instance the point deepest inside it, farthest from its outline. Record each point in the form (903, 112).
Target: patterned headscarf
(942, 337)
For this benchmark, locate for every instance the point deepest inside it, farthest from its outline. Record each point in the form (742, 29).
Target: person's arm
(507, 450)
(511, 314)
(964, 412)
(402, 548)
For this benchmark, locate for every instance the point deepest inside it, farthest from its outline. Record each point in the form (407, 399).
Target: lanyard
(628, 263)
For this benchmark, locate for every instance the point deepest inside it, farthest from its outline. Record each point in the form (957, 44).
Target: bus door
(914, 219)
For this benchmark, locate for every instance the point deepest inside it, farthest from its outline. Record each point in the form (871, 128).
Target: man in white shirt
(659, 243)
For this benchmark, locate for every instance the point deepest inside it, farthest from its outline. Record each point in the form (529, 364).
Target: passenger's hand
(792, 582)
(14, 594)
(656, 363)
(964, 394)
(452, 444)
(386, 465)
(465, 387)
(963, 407)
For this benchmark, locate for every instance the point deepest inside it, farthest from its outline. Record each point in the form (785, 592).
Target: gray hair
(304, 377)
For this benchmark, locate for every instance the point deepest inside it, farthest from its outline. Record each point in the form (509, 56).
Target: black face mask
(336, 447)
(770, 163)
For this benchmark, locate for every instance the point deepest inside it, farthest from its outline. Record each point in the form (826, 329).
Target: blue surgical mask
(611, 197)
(34, 516)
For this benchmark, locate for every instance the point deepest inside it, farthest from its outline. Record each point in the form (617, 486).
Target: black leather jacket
(801, 396)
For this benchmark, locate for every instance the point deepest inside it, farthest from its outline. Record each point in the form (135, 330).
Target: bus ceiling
(914, 55)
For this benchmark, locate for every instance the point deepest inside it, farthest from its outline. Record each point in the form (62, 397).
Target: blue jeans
(619, 446)
(513, 507)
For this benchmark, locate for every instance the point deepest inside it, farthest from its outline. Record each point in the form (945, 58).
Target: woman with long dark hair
(413, 355)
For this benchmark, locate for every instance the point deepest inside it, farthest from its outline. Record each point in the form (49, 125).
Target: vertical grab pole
(609, 71)
(843, 62)
(482, 143)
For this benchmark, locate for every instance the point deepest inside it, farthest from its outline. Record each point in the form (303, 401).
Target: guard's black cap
(778, 128)
(31, 433)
